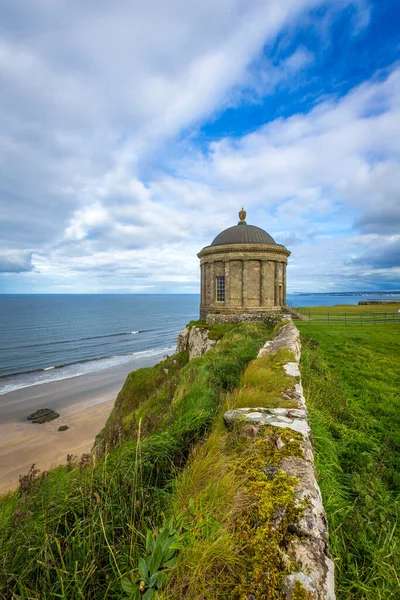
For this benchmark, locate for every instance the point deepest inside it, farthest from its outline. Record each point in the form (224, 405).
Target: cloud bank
(109, 182)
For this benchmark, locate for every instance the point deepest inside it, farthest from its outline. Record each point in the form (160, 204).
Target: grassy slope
(351, 377)
(230, 550)
(77, 532)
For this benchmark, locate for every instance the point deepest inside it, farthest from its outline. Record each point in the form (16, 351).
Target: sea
(46, 338)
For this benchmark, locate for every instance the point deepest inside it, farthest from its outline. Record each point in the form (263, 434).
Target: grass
(79, 530)
(351, 378)
(264, 383)
(231, 549)
(82, 530)
(216, 330)
(369, 314)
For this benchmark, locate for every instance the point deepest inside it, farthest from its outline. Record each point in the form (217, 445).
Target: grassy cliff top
(351, 377)
(79, 530)
(172, 499)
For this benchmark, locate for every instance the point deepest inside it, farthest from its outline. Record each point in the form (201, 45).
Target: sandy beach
(84, 404)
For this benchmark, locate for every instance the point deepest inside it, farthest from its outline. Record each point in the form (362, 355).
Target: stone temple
(243, 275)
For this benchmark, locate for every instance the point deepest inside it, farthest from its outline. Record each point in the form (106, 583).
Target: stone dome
(242, 233)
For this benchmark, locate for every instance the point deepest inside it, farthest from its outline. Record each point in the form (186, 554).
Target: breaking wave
(25, 379)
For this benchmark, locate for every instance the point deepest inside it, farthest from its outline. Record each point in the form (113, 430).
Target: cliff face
(195, 340)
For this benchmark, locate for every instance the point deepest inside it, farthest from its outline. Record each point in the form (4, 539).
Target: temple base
(238, 315)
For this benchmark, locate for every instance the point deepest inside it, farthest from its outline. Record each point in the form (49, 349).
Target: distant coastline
(391, 293)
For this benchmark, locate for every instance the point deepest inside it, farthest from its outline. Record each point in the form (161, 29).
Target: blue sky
(132, 132)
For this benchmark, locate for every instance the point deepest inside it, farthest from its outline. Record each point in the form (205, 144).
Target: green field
(370, 314)
(351, 379)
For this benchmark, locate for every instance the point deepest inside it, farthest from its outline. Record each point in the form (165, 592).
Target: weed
(27, 481)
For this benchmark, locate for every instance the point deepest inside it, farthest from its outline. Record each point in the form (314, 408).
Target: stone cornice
(234, 248)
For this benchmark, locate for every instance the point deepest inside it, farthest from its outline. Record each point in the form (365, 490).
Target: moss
(252, 397)
(216, 331)
(300, 593)
(279, 326)
(264, 528)
(265, 382)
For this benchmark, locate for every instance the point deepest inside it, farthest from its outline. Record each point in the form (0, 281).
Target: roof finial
(242, 215)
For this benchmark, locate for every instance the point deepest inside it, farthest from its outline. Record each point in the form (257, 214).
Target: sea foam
(52, 374)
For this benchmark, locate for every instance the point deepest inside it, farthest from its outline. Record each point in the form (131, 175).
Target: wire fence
(350, 317)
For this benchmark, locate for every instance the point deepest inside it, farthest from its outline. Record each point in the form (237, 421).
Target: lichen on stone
(268, 523)
(299, 592)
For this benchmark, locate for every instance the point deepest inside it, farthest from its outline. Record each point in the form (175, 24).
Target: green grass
(79, 531)
(351, 377)
(364, 315)
(264, 382)
(228, 502)
(215, 331)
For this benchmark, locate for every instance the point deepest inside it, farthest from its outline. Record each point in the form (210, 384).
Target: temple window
(221, 288)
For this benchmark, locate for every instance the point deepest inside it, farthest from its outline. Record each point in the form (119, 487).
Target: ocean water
(328, 300)
(46, 338)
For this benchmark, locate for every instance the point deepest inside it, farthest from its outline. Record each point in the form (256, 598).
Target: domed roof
(243, 234)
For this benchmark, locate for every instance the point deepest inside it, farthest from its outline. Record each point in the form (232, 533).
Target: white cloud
(101, 188)
(90, 91)
(309, 177)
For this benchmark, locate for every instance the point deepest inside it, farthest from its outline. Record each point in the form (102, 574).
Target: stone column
(227, 283)
(276, 286)
(244, 283)
(207, 268)
(284, 282)
(201, 285)
(212, 284)
(268, 283)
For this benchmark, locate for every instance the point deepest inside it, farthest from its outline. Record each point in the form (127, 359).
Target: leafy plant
(152, 572)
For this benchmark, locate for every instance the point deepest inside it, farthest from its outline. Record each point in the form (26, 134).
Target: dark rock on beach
(63, 428)
(43, 415)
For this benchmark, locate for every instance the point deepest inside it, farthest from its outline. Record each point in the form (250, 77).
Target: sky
(133, 132)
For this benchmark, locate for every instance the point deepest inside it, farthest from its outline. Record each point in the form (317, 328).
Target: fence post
(374, 318)
(345, 319)
(361, 319)
(328, 318)
(385, 318)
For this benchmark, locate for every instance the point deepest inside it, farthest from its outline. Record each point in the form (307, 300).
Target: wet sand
(22, 444)
(84, 404)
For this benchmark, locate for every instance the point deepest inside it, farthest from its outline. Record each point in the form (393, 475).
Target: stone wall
(311, 571)
(248, 317)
